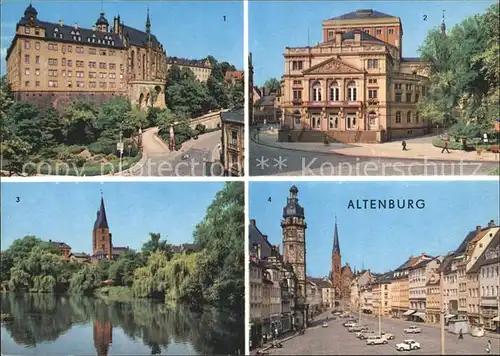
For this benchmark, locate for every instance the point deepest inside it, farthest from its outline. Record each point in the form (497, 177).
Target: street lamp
(172, 138)
(119, 147)
(441, 320)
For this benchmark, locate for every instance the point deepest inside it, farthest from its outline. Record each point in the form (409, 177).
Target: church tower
(102, 243)
(294, 239)
(336, 262)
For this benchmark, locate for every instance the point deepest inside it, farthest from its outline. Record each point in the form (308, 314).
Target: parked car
(412, 330)
(388, 336)
(350, 323)
(365, 333)
(408, 345)
(325, 324)
(357, 328)
(375, 340)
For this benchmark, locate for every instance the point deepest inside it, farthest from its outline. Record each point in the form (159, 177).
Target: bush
(111, 157)
(79, 161)
(495, 149)
(103, 146)
(75, 149)
(64, 156)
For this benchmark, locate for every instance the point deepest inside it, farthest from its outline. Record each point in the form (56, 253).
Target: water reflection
(61, 325)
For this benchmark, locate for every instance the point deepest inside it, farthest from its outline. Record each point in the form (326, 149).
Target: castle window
(408, 97)
(70, 84)
(26, 30)
(27, 44)
(37, 45)
(408, 117)
(92, 51)
(372, 63)
(378, 31)
(63, 62)
(27, 83)
(397, 97)
(417, 117)
(37, 83)
(70, 48)
(70, 63)
(60, 35)
(37, 71)
(102, 52)
(53, 83)
(391, 31)
(79, 49)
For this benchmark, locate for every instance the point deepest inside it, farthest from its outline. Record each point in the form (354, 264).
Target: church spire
(443, 25)
(101, 221)
(148, 23)
(336, 245)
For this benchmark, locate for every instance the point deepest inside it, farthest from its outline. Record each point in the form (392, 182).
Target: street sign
(120, 146)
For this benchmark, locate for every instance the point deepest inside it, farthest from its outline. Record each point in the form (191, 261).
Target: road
(194, 158)
(336, 340)
(265, 160)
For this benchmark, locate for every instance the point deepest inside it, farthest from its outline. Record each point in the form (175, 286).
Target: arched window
(408, 117)
(398, 117)
(334, 92)
(316, 92)
(352, 91)
(372, 118)
(296, 117)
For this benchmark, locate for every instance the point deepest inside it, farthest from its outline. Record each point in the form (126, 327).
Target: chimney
(265, 237)
(252, 222)
(357, 36)
(60, 22)
(338, 38)
(76, 26)
(478, 229)
(491, 224)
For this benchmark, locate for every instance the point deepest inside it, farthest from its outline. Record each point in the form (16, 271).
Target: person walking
(445, 147)
(460, 335)
(488, 347)
(404, 145)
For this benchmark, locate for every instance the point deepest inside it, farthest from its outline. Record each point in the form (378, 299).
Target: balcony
(297, 101)
(233, 146)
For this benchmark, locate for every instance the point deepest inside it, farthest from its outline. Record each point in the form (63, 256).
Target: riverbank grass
(114, 293)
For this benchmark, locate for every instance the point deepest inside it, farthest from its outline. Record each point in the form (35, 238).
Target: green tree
(15, 153)
(155, 244)
(87, 280)
(122, 271)
(272, 84)
(79, 122)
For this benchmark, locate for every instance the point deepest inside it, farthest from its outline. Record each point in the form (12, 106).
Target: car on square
(412, 330)
(408, 345)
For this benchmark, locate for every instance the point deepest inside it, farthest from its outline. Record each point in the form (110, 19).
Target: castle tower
(294, 239)
(102, 23)
(102, 243)
(336, 262)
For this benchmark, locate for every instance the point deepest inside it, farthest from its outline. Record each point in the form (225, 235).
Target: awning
(495, 319)
(449, 316)
(408, 312)
(420, 315)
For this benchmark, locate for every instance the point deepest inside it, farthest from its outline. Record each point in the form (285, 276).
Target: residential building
(52, 63)
(267, 287)
(63, 247)
(361, 279)
(327, 293)
(185, 248)
(314, 297)
(354, 86)
(266, 110)
(433, 297)
(487, 269)
(233, 76)
(80, 257)
(256, 291)
(251, 91)
(475, 249)
(201, 68)
(450, 286)
(382, 296)
(418, 276)
(233, 142)
(366, 298)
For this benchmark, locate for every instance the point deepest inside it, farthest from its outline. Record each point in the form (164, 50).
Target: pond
(69, 325)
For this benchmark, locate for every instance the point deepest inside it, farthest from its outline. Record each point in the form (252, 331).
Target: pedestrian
(404, 145)
(460, 335)
(325, 140)
(488, 347)
(276, 333)
(445, 147)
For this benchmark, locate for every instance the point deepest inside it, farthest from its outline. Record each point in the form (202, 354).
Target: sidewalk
(416, 150)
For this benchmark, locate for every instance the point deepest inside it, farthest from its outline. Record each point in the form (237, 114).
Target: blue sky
(67, 211)
(274, 25)
(191, 29)
(380, 239)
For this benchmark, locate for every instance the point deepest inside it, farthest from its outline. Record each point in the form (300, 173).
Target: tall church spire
(336, 245)
(101, 221)
(148, 23)
(443, 25)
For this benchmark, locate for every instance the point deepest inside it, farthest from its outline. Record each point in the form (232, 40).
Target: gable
(332, 65)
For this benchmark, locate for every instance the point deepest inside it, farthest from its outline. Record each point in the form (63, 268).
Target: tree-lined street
(337, 340)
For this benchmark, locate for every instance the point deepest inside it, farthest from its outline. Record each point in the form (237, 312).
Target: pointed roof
(101, 222)
(336, 245)
(148, 23)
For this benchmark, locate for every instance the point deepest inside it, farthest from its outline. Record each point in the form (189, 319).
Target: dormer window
(113, 43)
(26, 30)
(72, 32)
(93, 35)
(78, 33)
(79, 38)
(98, 40)
(88, 39)
(56, 30)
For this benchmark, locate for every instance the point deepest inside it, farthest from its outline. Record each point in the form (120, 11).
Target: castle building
(341, 276)
(354, 86)
(53, 63)
(102, 239)
(201, 68)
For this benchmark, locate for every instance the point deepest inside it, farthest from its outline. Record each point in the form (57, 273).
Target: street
(194, 159)
(265, 160)
(337, 340)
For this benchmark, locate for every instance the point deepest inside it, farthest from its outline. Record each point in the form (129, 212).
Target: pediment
(333, 66)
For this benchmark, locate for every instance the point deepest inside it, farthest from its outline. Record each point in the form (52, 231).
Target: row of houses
(273, 291)
(459, 286)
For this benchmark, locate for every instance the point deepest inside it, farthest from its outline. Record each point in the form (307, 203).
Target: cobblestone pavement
(336, 340)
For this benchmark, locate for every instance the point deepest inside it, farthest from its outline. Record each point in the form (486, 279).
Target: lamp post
(441, 320)
(380, 311)
(172, 138)
(119, 147)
